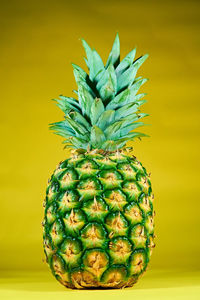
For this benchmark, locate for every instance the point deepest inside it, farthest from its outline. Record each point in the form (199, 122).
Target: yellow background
(39, 40)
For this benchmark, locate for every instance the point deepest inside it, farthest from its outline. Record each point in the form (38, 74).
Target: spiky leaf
(119, 100)
(97, 109)
(106, 119)
(97, 137)
(126, 110)
(80, 130)
(67, 104)
(107, 85)
(85, 99)
(126, 62)
(88, 52)
(114, 55)
(77, 117)
(79, 73)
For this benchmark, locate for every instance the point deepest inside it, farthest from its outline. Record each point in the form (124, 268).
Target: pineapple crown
(107, 110)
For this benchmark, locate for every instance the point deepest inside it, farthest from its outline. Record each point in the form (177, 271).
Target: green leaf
(67, 104)
(126, 62)
(114, 56)
(120, 144)
(106, 119)
(138, 62)
(131, 136)
(82, 78)
(97, 109)
(121, 128)
(62, 128)
(80, 130)
(70, 100)
(79, 73)
(117, 144)
(125, 110)
(85, 99)
(119, 100)
(135, 134)
(111, 129)
(88, 52)
(94, 62)
(125, 130)
(62, 124)
(77, 117)
(86, 87)
(75, 92)
(141, 102)
(127, 96)
(107, 85)
(78, 143)
(62, 133)
(97, 66)
(136, 86)
(109, 145)
(126, 78)
(135, 117)
(97, 137)
(139, 96)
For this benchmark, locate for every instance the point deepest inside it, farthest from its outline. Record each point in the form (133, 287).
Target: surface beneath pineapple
(99, 221)
(155, 284)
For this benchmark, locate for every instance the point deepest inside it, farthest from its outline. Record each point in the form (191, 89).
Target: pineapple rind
(113, 226)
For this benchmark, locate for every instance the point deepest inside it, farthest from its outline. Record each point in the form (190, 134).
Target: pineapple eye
(57, 265)
(120, 248)
(82, 279)
(89, 188)
(115, 199)
(138, 262)
(56, 232)
(93, 235)
(145, 204)
(138, 236)
(95, 261)
(150, 223)
(133, 213)
(50, 213)
(144, 184)
(114, 275)
(127, 171)
(67, 200)
(116, 224)
(71, 251)
(110, 179)
(74, 220)
(95, 209)
(132, 190)
(48, 248)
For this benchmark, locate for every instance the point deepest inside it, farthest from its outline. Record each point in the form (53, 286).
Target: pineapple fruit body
(99, 220)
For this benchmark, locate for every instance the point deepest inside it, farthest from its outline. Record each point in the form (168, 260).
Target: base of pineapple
(86, 280)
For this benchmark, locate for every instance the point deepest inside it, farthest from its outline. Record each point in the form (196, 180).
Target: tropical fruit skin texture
(99, 220)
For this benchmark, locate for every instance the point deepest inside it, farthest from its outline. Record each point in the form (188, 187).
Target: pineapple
(99, 219)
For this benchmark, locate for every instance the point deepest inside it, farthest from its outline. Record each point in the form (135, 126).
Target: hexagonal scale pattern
(98, 221)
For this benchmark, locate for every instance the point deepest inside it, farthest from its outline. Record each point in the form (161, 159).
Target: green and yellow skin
(99, 219)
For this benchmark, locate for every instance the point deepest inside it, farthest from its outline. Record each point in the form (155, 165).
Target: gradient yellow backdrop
(39, 40)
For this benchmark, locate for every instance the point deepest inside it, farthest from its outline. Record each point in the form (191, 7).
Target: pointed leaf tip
(114, 56)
